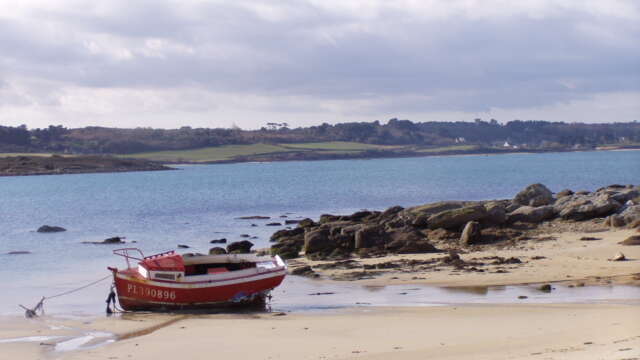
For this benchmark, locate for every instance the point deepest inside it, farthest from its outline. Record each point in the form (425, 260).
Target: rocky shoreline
(58, 165)
(368, 244)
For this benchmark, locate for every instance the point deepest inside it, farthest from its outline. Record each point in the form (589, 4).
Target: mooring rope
(40, 305)
(78, 289)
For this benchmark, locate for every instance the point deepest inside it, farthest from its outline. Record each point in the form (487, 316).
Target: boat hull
(136, 293)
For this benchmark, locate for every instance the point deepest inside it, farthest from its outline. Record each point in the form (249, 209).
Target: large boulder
(625, 195)
(289, 243)
(530, 214)
(534, 195)
(615, 220)
(358, 216)
(630, 214)
(471, 233)
(391, 212)
(50, 229)
(318, 241)
(370, 236)
(563, 193)
(585, 207)
(496, 213)
(434, 208)
(419, 215)
(286, 250)
(306, 223)
(240, 247)
(417, 247)
(456, 218)
(325, 218)
(285, 233)
(399, 238)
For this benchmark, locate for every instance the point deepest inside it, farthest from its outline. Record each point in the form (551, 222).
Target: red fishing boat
(170, 281)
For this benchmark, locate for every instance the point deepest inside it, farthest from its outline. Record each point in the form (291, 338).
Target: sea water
(198, 203)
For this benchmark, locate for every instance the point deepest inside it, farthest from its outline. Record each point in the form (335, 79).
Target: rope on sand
(39, 308)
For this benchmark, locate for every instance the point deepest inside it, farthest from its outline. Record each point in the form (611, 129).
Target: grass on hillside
(217, 153)
(31, 154)
(448, 148)
(229, 152)
(338, 145)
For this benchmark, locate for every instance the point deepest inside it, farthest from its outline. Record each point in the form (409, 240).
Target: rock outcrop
(456, 218)
(50, 229)
(452, 223)
(240, 247)
(534, 195)
(530, 214)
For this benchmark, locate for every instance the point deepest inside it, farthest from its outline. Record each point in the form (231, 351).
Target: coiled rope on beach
(40, 305)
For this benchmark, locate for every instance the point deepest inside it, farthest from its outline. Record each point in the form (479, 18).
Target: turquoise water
(195, 204)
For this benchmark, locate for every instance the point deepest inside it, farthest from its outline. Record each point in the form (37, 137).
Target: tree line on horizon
(530, 134)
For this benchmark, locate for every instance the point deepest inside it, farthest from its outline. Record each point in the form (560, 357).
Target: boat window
(203, 269)
(165, 276)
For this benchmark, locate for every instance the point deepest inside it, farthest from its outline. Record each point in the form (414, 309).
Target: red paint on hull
(135, 293)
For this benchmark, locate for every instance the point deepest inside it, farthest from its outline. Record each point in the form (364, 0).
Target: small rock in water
(50, 229)
(523, 297)
(274, 224)
(113, 240)
(254, 217)
(217, 251)
(18, 252)
(322, 293)
(218, 241)
(619, 257)
(182, 246)
(245, 235)
(545, 288)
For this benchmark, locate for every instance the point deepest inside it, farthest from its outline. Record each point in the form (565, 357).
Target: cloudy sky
(213, 63)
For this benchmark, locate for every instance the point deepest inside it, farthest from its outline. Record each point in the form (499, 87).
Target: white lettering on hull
(133, 289)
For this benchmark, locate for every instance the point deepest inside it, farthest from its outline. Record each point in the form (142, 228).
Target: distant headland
(279, 142)
(57, 165)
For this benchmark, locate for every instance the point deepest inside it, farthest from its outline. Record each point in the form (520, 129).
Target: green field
(338, 146)
(29, 154)
(448, 149)
(217, 153)
(230, 152)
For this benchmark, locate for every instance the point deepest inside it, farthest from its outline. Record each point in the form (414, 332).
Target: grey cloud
(458, 64)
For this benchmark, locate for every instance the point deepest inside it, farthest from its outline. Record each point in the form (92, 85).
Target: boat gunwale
(135, 276)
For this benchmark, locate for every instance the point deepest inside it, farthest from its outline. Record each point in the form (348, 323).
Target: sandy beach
(587, 331)
(551, 257)
(609, 330)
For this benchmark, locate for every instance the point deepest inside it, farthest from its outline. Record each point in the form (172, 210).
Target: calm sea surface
(196, 204)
